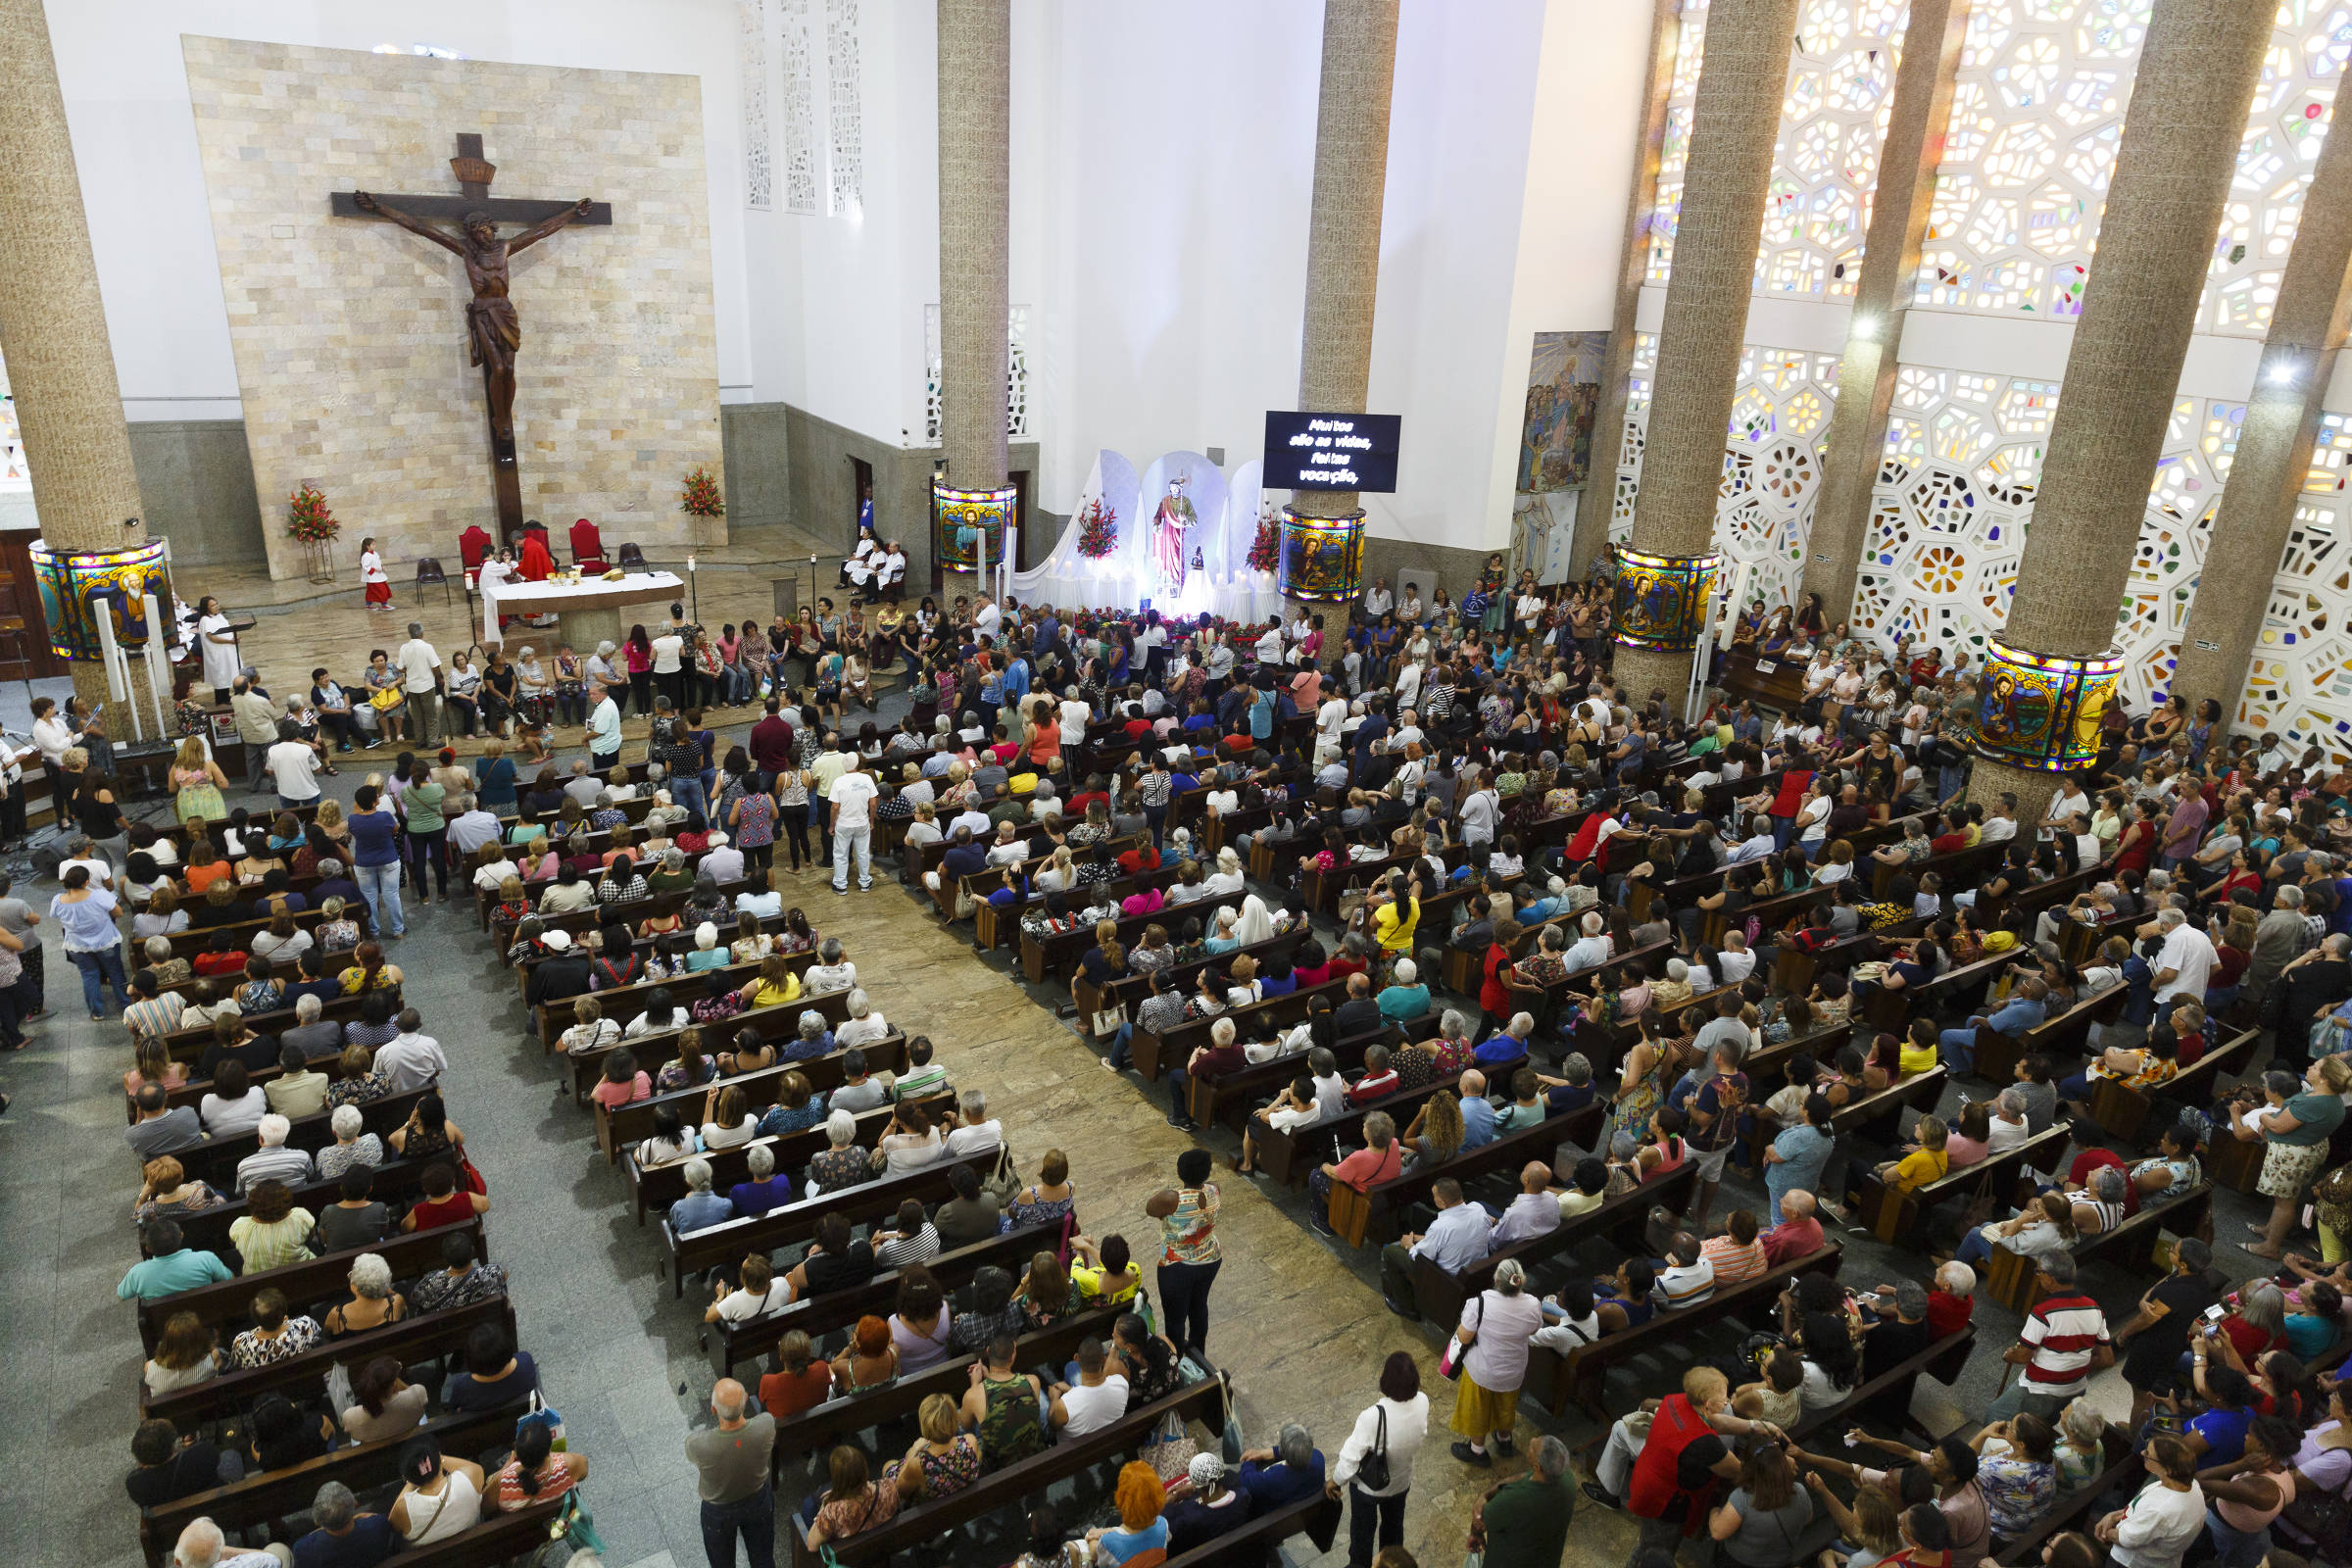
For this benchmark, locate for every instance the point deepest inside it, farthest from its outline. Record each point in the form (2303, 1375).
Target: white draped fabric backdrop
(1224, 525)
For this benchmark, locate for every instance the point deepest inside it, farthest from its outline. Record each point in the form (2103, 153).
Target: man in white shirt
(1407, 682)
(1379, 602)
(419, 665)
(1592, 949)
(2187, 959)
(413, 1059)
(1097, 1398)
(1757, 846)
(986, 616)
(1534, 1212)
(722, 862)
(852, 801)
(2009, 1125)
(603, 729)
(973, 1133)
(668, 649)
(295, 767)
(2000, 823)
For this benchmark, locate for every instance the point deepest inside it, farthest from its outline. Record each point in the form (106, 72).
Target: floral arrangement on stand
(309, 522)
(1097, 530)
(1265, 551)
(701, 496)
(308, 519)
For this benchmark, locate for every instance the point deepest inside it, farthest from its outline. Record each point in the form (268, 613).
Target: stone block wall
(350, 335)
(196, 479)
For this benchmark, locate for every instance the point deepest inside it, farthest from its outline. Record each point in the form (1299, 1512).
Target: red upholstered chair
(474, 547)
(588, 547)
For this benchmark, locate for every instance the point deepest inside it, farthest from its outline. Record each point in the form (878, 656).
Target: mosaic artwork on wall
(1954, 501)
(2299, 685)
(1563, 393)
(1825, 161)
(1771, 464)
(801, 146)
(2308, 45)
(758, 163)
(845, 114)
(2037, 112)
(1662, 602)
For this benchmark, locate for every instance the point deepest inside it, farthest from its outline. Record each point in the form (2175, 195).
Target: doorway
(861, 499)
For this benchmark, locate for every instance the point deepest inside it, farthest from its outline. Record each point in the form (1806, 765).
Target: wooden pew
(657, 1187)
(1124, 992)
(398, 1183)
(1317, 1517)
(617, 1129)
(1886, 1397)
(1203, 1402)
(190, 1045)
(778, 1023)
(843, 1417)
(2131, 1246)
(731, 1241)
(1440, 1294)
(2138, 1116)
(735, 1347)
(215, 1162)
(1904, 1218)
(1154, 1053)
(2058, 1037)
(419, 1337)
(318, 1279)
(2121, 1474)
(260, 1500)
(1372, 1214)
(1230, 1098)
(1919, 1091)
(1557, 1382)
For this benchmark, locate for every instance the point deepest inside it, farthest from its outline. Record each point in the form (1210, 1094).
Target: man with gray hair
(273, 1162)
(830, 972)
(419, 665)
(314, 1033)
(2010, 1127)
(583, 784)
(2185, 961)
(201, 1546)
(2062, 1342)
(1526, 1520)
(470, 828)
(1899, 1330)
(731, 1463)
(1289, 1472)
(972, 1129)
(345, 1538)
(700, 1208)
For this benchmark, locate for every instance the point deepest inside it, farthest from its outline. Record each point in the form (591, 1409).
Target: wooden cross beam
(473, 178)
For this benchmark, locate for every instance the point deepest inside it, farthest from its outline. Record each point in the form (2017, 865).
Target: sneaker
(1318, 1222)
(1469, 1455)
(1602, 1495)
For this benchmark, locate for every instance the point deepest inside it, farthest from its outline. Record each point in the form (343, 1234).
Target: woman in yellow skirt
(1496, 1326)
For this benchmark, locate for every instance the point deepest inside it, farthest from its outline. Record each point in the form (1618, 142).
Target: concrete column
(2196, 78)
(53, 322)
(1342, 235)
(1734, 121)
(975, 176)
(2274, 445)
(1599, 503)
(1898, 223)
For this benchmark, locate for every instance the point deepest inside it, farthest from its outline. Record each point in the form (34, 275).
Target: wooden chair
(588, 547)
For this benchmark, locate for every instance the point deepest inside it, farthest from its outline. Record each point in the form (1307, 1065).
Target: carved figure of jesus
(492, 327)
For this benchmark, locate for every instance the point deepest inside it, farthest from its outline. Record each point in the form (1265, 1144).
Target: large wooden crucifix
(493, 328)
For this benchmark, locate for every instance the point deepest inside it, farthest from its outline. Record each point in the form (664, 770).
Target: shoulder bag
(1373, 1474)
(1449, 1364)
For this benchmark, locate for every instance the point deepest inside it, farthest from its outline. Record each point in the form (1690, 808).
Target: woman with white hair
(844, 1164)
(708, 954)
(354, 1145)
(373, 1303)
(1227, 881)
(863, 1026)
(1495, 1329)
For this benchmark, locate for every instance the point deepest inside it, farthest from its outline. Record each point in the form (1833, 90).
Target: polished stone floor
(1297, 1321)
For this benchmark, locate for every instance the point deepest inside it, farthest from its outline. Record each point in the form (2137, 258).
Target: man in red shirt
(1378, 1079)
(772, 741)
(1672, 1479)
(1952, 1302)
(1381, 1159)
(1797, 1235)
(1222, 1055)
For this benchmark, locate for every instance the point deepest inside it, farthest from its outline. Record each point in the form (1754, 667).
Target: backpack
(1010, 1431)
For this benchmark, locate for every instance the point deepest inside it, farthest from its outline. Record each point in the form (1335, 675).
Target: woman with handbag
(1376, 1463)
(1488, 1355)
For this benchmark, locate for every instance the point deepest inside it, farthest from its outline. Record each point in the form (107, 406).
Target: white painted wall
(134, 140)
(1162, 165)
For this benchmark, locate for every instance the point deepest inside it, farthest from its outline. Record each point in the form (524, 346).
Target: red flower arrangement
(1097, 530)
(308, 519)
(1265, 551)
(701, 496)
